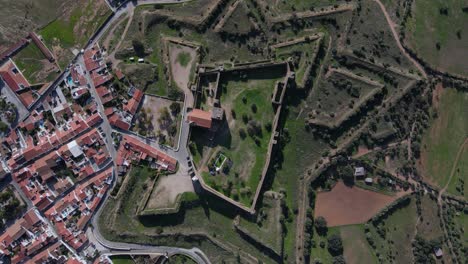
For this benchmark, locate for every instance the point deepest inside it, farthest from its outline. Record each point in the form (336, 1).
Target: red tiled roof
(109, 111)
(15, 81)
(115, 120)
(131, 106)
(119, 74)
(145, 149)
(138, 95)
(200, 118)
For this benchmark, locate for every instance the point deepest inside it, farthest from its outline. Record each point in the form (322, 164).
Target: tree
(138, 47)
(321, 225)
(254, 128)
(175, 108)
(254, 108)
(339, 260)
(347, 174)
(242, 133)
(335, 245)
(3, 127)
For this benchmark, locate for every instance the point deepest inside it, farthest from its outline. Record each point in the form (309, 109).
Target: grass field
(399, 231)
(429, 226)
(74, 27)
(34, 66)
(321, 253)
(268, 229)
(444, 138)
(356, 247)
(429, 27)
(459, 183)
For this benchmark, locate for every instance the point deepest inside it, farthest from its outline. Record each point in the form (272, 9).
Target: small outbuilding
(438, 252)
(369, 180)
(359, 172)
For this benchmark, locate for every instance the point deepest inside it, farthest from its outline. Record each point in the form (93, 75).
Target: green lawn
(123, 259)
(184, 58)
(428, 26)
(443, 139)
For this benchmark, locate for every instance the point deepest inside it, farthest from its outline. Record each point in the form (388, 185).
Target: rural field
(443, 151)
(437, 30)
(356, 248)
(24, 16)
(350, 74)
(73, 28)
(349, 205)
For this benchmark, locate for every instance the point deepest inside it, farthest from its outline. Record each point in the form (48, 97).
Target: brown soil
(180, 73)
(167, 188)
(345, 205)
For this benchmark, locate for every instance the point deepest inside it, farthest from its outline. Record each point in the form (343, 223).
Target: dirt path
(366, 151)
(455, 163)
(392, 26)
(122, 37)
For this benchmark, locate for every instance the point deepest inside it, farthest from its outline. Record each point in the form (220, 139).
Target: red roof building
(115, 120)
(200, 118)
(13, 77)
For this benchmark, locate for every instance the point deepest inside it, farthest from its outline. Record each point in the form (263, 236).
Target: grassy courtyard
(34, 66)
(244, 136)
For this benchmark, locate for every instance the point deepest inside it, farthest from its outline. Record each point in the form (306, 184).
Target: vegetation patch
(243, 136)
(34, 66)
(443, 140)
(74, 28)
(436, 31)
(340, 96)
(356, 248)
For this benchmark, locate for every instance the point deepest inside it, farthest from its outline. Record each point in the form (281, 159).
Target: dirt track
(345, 206)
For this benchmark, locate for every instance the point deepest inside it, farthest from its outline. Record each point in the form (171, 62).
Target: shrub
(254, 108)
(242, 133)
(335, 245)
(321, 225)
